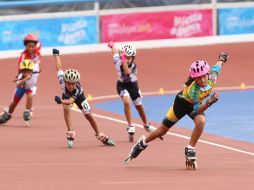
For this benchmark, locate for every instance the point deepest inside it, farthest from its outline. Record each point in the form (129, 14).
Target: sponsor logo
(73, 33)
(186, 26)
(115, 28)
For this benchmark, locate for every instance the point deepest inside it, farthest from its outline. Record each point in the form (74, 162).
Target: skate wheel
(111, 143)
(70, 144)
(131, 137)
(191, 165)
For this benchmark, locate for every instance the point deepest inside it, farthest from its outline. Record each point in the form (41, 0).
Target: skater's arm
(65, 101)
(68, 101)
(223, 57)
(58, 63)
(57, 58)
(213, 98)
(202, 108)
(126, 69)
(113, 48)
(22, 82)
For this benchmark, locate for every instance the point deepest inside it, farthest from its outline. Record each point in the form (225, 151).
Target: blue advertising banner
(51, 32)
(236, 21)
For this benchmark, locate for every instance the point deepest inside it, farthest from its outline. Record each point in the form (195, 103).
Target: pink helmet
(199, 68)
(30, 38)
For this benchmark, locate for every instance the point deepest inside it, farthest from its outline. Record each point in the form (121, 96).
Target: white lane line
(176, 91)
(169, 133)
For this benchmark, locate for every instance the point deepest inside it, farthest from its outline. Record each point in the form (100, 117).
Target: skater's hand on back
(55, 52)
(58, 100)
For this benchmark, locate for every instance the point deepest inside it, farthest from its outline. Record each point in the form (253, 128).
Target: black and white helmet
(71, 75)
(129, 50)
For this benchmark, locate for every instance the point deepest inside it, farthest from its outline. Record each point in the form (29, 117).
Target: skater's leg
(147, 126)
(6, 115)
(190, 152)
(86, 110)
(70, 132)
(127, 112)
(199, 121)
(127, 109)
(93, 123)
(67, 117)
(143, 142)
(29, 101)
(100, 136)
(160, 131)
(12, 107)
(167, 123)
(18, 94)
(142, 114)
(84, 106)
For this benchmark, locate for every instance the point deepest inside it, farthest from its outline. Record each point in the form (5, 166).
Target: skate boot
(27, 115)
(131, 132)
(70, 138)
(4, 117)
(105, 139)
(191, 159)
(136, 149)
(150, 129)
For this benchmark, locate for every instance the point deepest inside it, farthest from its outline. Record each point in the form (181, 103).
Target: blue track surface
(232, 116)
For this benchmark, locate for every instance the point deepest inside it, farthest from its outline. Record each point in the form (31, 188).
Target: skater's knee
(66, 109)
(126, 101)
(200, 121)
(138, 102)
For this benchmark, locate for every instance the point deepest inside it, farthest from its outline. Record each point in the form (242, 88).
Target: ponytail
(189, 81)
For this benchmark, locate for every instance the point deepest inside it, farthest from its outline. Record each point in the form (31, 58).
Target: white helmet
(71, 75)
(129, 50)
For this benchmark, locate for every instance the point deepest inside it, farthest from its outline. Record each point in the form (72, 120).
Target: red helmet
(30, 38)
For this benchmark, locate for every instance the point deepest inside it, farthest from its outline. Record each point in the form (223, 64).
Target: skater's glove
(111, 44)
(213, 98)
(58, 100)
(223, 57)
(55, 52)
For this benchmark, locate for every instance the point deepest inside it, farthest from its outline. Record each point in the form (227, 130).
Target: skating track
(36, 158)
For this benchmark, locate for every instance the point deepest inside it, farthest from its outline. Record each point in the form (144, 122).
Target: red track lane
(37, 158)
